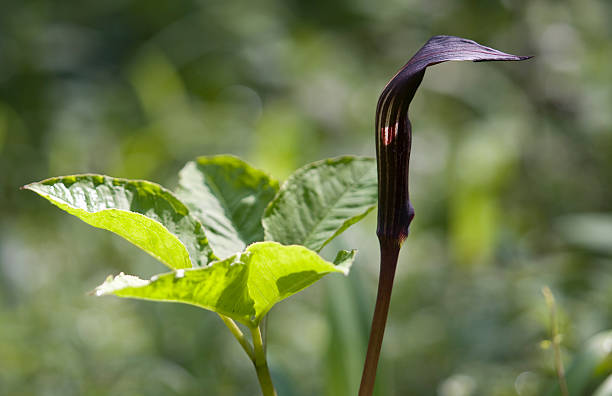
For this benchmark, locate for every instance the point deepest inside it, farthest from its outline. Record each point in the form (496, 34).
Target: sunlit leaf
(320, 201)
(142, 212)
(243, 287)
(229, 197)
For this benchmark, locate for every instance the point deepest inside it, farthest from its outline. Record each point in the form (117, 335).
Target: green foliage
(243, 287)
(228, 196)
(142, 212)
(321, 200)
(135, 89)
(225, 198)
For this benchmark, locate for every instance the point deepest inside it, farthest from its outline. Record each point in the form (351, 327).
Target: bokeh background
(511, 172)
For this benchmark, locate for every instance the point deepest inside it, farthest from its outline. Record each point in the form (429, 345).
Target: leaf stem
(235, 330)
(261, 365)
(389, 251)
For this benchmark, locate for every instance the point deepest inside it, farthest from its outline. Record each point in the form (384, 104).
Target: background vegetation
(511, 175)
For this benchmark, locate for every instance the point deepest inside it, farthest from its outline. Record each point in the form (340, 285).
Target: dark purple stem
(388, 260)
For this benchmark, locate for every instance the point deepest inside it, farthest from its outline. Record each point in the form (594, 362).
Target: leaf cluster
(236, 242)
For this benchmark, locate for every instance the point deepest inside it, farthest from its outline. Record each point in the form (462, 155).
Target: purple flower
(393, 142)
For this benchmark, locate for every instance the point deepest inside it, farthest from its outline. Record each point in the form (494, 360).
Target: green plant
(236, 242)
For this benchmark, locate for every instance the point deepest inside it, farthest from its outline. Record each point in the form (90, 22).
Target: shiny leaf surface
(142, 212)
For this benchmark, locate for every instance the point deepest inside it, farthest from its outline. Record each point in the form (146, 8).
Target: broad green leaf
(229, 197)
(320, 201)
(142, 212)
(243, 287)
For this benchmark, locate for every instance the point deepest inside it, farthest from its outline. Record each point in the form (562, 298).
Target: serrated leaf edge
(285, 186)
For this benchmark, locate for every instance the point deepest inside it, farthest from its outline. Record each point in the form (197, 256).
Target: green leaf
(321, 200)
(229, 197)
(344, 259)
(243, 287)
(142, 212)
(589, 231)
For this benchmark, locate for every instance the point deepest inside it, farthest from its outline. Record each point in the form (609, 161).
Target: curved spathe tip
(393, 129)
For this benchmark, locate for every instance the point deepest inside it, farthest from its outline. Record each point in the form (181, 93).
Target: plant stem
(233, 327)
(261, 365)
(389, 251)
(264, 332)
(556, 339)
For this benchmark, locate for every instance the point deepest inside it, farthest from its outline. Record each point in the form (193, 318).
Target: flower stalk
(393, 144)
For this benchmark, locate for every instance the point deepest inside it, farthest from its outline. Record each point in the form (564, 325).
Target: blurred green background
(510, 177)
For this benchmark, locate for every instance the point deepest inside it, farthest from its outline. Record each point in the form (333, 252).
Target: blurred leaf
(347, 337)
(142, 212)
(605, 389)
(244, 287)
(289, 130)
(586, 368)
(473, 219)
(591, 231)
(157, 83)
(321, 200)
(229, 197)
